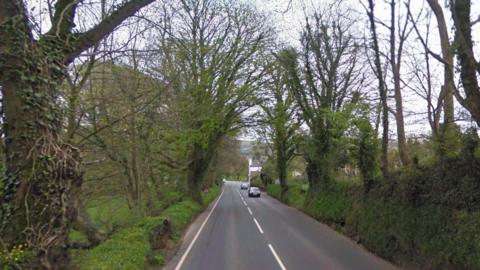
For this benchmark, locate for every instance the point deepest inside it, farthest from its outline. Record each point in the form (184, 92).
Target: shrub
(274, 190)
(12, 258)
(110, 213)
(127, 249)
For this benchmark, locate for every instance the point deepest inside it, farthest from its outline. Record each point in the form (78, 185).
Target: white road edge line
(184, 256)
(250, 211)
(276, 257)
(258, 225)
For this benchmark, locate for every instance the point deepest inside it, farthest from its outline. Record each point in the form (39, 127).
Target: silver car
(254, 192)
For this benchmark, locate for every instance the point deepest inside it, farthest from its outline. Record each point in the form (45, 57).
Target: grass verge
(129, 247)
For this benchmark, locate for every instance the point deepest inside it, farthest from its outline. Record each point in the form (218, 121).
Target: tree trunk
(83, 224)
(395, 65)
(402, 142)
(282, 174)
(319, 159)
(194, 186)
(134, 162)
(266, 180)
(448, 85)
(313, 177)
(197, 169)
(280, 142)
(382, 89)
(41, 170)
(469, 66)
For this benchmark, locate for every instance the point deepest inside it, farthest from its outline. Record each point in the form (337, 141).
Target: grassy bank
(421, 237)
(129, 246)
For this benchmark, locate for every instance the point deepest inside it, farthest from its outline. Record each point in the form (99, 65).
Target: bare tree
(396, 53)
(424, 74)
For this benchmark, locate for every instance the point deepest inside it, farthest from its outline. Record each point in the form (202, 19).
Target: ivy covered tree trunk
(282, 175)
(469, 65)
(321, 156)
(41, 169)
(282, 162)
(317, 164)
(200, 159)
(313, 177)
(280, 142)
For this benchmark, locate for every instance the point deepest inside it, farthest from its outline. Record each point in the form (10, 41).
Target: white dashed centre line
(258, 225)
(244, 203)
(249, 211)
(276, 257)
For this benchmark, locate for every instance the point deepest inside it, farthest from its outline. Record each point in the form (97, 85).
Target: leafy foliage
(13, 258)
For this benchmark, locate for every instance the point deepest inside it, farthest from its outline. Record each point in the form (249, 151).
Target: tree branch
(63, 18)
(105, 27)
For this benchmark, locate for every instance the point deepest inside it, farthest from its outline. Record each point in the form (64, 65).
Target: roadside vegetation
(113, 148)
(412, 200)
(131, 246)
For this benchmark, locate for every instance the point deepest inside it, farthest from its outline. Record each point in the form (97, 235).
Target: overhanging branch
(105, 27)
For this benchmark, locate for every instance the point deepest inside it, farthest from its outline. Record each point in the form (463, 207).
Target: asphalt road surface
(238, 232)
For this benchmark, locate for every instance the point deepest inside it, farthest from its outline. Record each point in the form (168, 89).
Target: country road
(238, 232)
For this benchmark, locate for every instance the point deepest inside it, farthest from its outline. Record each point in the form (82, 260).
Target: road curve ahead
(261, 233)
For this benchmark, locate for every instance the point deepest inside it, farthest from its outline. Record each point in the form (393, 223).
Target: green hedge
(295, 194)
(429, 235)
(424, 237)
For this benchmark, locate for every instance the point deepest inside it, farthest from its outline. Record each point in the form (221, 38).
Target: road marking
(250, 211)
(244, 203)
(276, 257)
(184, 256)
(258, 225)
